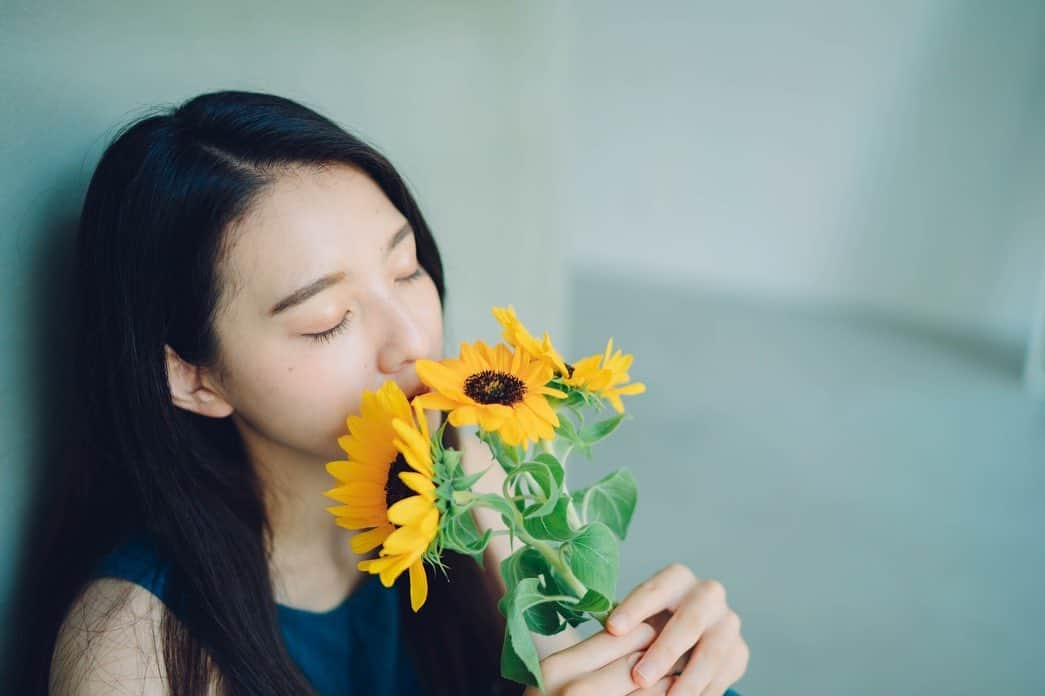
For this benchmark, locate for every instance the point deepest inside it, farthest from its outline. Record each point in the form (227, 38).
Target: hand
(693, 612)
(601, 664)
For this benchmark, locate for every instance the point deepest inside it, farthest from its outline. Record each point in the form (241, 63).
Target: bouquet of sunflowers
(407, 493)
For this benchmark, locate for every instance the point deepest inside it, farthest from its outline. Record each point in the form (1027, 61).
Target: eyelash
(329, 334)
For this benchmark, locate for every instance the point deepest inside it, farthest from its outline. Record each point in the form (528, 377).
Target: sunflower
(605, 375)
(516, 334)
(500, 390)
(387, 488)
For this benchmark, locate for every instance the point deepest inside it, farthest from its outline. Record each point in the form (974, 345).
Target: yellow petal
(361, 522)
(401, 563)
(418, 585)
(463, 415)
(492, 416)
(419, 483)
(418, 463)
(436, 401)
(404, 540)
(549, 391)
(366, 541)
(396, 403)
(471, 358)
(358, 495)
(539, 405)
(414, 439)
(356, 471)
(376, 565)
(437, 376)
(429, 524)
(408, 511)
(422, 422)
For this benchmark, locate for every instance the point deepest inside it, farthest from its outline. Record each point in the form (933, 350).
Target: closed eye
(416, 275)
(329, 334)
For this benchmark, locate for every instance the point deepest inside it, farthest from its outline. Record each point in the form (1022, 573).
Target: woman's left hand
(692, 612)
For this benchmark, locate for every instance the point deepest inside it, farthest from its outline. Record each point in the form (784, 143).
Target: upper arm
(109, 643)
(476, 456)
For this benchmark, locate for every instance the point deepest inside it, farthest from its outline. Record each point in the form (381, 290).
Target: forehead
(306, 223)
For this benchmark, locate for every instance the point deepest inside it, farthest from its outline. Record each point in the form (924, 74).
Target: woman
(245, 269)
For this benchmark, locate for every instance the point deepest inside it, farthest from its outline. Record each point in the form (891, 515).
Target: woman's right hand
(601, 664)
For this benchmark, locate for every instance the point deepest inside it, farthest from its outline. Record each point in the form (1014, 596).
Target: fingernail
(618, 621)
(642, 671)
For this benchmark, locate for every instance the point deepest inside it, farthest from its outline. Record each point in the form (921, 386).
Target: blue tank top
(354, 648)
(371, 660)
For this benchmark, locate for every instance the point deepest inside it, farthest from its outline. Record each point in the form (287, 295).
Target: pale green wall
(886, 154)
(455, 93)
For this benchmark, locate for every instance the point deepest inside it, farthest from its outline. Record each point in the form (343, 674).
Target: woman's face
(324, 297)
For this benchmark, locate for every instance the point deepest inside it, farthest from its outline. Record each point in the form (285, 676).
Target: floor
(871, 493)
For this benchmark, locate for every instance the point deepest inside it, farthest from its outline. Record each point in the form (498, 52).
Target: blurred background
(818, 226)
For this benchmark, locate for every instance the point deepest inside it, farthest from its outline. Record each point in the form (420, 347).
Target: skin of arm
(109, 642)
(475, 457)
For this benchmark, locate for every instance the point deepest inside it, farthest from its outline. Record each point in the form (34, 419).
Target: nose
(403, 341)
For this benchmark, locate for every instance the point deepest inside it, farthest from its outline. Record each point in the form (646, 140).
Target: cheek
(432, 317)
(301, 397)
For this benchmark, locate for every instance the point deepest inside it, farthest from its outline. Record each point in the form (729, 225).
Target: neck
(311, 562)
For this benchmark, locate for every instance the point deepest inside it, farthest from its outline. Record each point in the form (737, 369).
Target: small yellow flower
(501, 391)
(387, 488)
(516, 334)
(606, 375)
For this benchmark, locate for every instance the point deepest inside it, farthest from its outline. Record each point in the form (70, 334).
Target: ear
(191, 391)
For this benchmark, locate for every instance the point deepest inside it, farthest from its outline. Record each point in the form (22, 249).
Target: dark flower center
(395, 489)
(492, 387)
(569, 370)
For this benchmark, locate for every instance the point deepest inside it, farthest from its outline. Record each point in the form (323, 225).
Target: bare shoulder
(110, 643)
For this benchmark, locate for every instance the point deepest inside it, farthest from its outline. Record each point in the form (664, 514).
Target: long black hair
(151, 236)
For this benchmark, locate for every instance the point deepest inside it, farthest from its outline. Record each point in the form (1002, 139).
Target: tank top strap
(135, 559)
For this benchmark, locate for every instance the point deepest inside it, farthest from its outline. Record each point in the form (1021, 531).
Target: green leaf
(519, 659)
(553, 526)
(541, 471)
(554, 466)
(611, 500)
(451, 460)
(592, 556)
(460, 533)
(498, 503)
(554, 585)
(524, 563)
(465, 483)
(595, 432)
(509, 456)
(528, 563)
(567, 430)
(592, 601)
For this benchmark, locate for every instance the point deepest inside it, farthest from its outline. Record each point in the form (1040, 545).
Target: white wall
(883, 154)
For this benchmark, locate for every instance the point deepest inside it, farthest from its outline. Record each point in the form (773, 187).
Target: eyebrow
(320, 284)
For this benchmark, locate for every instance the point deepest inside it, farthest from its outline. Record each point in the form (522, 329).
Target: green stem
(550, 554)
(572, 518)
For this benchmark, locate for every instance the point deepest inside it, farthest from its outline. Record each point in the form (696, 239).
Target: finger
(658, 689)
(737, 666)
(614, 678)
(712, 656)
(594, 653)
(702, 608)
(663, 591)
